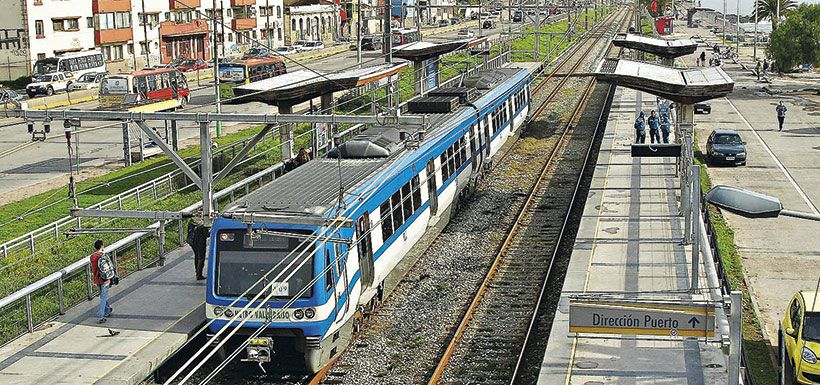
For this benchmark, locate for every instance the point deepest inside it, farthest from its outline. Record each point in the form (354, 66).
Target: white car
(49, 84)
(88, 81)
(466, 33)
(287, 50)
(299, 44)
(312, 45)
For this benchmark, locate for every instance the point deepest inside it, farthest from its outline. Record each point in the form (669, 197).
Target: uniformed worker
(198, 240)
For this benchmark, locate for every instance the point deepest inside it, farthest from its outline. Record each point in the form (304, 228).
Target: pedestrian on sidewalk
(666, 126)
(781, 114)
(654, 127)
(757, 70)
(198, 240)
(640, 129)
(697, 61)
(765, 68)
(703, 58)
(710, 62)
(102, 269)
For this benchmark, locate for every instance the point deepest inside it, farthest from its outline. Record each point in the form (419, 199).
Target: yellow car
(800, 332)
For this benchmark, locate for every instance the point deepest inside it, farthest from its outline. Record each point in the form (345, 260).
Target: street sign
(641, 318)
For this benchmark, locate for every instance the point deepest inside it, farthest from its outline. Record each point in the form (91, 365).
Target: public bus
(246, 71)
(404, 36)
(145, 87)
(78, 63)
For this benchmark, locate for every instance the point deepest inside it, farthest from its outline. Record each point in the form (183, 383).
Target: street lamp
(752, 204)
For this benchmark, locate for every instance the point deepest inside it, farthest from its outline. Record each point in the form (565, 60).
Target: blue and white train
(389, 193)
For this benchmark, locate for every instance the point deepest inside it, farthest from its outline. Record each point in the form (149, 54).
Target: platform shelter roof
(299, 86)
(661, 47)
(426, 49)
(687, 86)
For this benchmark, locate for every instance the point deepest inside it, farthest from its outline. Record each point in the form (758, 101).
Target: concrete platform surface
(629, 244)
(154, 311)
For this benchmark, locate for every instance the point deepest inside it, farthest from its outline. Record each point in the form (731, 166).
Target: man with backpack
(640, 129)
(104, 273)
(198, 240)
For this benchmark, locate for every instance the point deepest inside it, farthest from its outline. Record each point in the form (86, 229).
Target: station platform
(154, 312)
(629, 246)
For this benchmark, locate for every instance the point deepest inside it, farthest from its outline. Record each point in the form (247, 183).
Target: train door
(471, 137)
(432, 187)
(365, 248)
(346, 269)
(487, 141)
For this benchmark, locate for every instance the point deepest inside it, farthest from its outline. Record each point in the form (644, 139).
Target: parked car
(88, 81)
(465, 33)
(287, 50)
(726, 147)
(454, 21)
(488, 24)
(800, 333)
(518, 17)
(49, 84)
(257, 52)
(443, 22)
(703, 108)
(474, 16)
(299, 44)
(372, 43)
(312, 45)
(192, 65)
(10, 96)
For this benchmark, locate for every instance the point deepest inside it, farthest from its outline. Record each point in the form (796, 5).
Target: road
(28, 168)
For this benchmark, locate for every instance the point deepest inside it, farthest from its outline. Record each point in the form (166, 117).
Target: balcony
(184, 4)
(244, 24)
(239, 3)
(102, 6)
(195, 27)
(113, 36)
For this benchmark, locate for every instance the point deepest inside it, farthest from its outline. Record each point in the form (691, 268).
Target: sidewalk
(628, 244)
(155, 310)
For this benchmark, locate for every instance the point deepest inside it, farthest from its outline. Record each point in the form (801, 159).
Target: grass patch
(756, 346)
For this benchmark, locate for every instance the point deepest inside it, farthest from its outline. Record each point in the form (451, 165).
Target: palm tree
(767, 9)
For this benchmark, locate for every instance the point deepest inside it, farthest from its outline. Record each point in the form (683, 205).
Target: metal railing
(705, 212)
(152, 191)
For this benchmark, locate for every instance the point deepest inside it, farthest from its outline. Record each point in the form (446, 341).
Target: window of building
(123, 20)
(38, 28)
(230, 37)
(152, 19)
(113, 20)
(279, 11)
(167, 16)
(57, 25)
(41, 56)
(229, 12)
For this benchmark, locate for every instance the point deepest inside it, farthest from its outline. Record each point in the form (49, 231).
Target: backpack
(106, 268)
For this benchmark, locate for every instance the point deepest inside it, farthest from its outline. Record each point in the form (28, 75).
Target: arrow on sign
(694, 322)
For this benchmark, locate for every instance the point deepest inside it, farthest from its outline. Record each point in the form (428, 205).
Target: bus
(404, 36)
(248, 70)
(78, 63)
(145, 87)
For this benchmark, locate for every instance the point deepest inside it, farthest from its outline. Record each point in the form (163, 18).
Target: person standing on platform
(654, 126)
(697, 61)
(102, 269)
(665, 127)
(757, 70)
(781, 114)
(640, 129)
(765, 69)
(198, 240)
(703, 58)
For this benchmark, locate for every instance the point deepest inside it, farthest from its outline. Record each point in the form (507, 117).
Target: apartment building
(133, 33)
(315, 20)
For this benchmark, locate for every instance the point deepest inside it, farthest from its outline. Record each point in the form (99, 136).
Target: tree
(662, 4)
(797, 40)
(767, 9)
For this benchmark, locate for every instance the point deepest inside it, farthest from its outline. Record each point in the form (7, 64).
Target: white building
(35, 29)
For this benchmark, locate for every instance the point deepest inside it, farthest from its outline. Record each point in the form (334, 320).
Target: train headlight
(298, 314)
(310, 313)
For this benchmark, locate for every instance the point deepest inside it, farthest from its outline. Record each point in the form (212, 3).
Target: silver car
(88, 81)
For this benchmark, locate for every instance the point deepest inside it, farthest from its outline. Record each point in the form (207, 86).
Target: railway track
(489, 343)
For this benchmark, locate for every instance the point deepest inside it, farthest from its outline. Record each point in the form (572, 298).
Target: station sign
(676, 319)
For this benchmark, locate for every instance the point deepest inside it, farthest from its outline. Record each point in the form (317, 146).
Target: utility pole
(388, 43)
(268, 11)
(359, 33)
(216, 71)
(724, 21)
(755, 43)
(737, 29)
(145, 36)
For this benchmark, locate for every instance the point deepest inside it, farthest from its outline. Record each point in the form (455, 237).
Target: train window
(328, 272)
(365, 249)
(444, 168)
(414, 185)
(398, 220)
(457, 153)
(463, 149)
(407, 201)
(452, 161)
(387, 220)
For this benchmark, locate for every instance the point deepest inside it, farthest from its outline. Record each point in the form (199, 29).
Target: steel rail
(523, 212)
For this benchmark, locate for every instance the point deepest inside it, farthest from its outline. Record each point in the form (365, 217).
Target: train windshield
(242, 262)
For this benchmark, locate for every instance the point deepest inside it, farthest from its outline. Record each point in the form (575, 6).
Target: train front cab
(316, 323)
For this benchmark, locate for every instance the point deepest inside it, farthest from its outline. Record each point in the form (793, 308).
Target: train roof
(313, 188)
